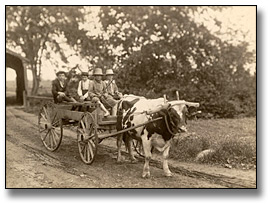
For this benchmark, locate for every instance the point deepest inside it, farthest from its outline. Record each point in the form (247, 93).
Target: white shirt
(61, 83)
(85, 85)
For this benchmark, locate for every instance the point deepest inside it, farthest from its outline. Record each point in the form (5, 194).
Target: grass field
(232, 142)
(45, 87)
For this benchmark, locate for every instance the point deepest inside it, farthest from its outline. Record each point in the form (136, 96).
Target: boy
(98, 93)
(112, 88)
(72, 87)
(59, 88)
(83, 87)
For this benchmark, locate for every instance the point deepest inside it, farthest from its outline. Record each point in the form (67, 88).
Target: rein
(108, 86)
(167, 125)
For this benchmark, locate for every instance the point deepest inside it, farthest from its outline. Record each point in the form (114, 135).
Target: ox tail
(119, 125)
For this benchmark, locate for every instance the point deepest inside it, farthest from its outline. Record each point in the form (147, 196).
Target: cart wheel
(138, 147)
(50, 127)
(87, 138)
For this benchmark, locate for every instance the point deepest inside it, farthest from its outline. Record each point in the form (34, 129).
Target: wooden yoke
(179, 102)
(192, 104)
(164, 106)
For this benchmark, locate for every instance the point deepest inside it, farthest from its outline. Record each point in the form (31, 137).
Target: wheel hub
(48, 126)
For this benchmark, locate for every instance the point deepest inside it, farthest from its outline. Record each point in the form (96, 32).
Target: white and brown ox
(133, 111)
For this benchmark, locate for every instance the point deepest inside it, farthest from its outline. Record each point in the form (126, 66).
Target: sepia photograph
(121, 97)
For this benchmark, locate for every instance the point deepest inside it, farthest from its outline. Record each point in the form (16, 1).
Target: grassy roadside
(229, 142)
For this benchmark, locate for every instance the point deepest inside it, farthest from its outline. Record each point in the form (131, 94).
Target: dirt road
(30, 165)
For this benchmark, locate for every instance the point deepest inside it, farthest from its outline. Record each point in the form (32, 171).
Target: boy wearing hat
(83, 87)
(59, 86)
(98, 93)
(72, 87)
(112, 88)
(71, 74)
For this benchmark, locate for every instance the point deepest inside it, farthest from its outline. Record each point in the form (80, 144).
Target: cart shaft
(103, 136)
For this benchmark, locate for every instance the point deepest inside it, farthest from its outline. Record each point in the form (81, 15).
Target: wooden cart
(92, 127)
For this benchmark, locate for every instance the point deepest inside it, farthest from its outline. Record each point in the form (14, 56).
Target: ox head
(174, 122)
(180, 107)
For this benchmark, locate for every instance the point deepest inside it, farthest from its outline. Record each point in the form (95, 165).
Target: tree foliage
(164, 50)
(34, 31)
(154, 50)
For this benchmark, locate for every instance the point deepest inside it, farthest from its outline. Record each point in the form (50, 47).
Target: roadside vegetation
(227, 142)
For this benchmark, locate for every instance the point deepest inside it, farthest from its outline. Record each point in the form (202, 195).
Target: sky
(241, 18)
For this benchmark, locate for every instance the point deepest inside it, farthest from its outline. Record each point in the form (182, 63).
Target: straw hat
(97, 72)
(109, 72)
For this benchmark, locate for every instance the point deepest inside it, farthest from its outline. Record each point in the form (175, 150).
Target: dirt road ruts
(30, 165)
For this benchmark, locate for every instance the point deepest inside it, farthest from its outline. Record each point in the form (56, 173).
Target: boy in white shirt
(83, 88)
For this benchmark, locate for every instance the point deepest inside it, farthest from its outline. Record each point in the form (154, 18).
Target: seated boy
(72, 88)
(83, 87)
(59, 86)
(112, 88)
(98, 93)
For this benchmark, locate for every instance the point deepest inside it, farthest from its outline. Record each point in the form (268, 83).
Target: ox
(133, 110)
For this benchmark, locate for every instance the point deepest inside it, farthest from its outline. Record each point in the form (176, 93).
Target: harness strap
(164, 117)
(167, 125)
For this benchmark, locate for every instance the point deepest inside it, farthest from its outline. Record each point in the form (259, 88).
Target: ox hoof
(133, 160)
(120, 160)
(146, 175)
(169, 174)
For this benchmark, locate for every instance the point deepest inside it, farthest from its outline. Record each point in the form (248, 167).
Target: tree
(164, 50)
(34, 29)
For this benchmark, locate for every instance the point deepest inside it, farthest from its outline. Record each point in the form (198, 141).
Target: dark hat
(73, 70)
(60, 72)
(84, 74)
(77, 76)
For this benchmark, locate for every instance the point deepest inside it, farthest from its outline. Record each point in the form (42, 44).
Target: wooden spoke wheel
(50, 127)
(138, 146)
(87, 138)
